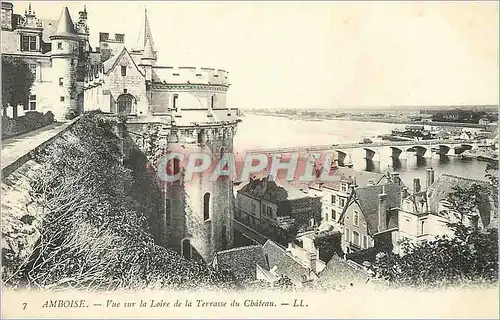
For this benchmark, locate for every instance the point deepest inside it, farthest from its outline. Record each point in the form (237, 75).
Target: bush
(30, 121)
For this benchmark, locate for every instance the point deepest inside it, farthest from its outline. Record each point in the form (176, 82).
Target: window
(355, 238)
(422, 227)
(334, 215)
(212, 101)
(326, 217)
(59, 46)
(342, 202)
(347, 235)
(174, 102)
(62, 99)
(124, 90)
(269, 211)
(124, 71)
(344, 187)
(206, 206)
(254, 207)
(334, 198)
(356, 218)
(119, 37)
(32, 102)
(365, 242)
(61, 82)
(28, 43)
(125, 104)
(186, 249)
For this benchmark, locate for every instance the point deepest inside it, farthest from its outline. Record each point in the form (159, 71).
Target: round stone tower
(64, 56)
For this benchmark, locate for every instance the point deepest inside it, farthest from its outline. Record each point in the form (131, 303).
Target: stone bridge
(373, 151)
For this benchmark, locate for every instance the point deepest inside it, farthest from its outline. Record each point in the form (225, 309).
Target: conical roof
(148, 52)
(65, 25)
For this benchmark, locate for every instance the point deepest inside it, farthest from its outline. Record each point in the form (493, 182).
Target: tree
(328, 244)
(471, 255)
(492, 175)
(464, 201)
(17, 80)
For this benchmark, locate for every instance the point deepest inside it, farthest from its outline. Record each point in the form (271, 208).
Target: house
(242, 262)
(282, 263)
(440, 189)
(370, 217)
(264, 210)
(303, 249)
(484, 121)
(335, 194)
(425, 215)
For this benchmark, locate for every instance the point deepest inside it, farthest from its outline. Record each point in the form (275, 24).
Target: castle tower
(64, 56)
(199, 210)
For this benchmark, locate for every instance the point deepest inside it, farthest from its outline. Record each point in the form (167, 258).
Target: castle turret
(148, 59)
(64, 55)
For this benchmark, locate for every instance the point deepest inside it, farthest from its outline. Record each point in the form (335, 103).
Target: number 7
(24, 305)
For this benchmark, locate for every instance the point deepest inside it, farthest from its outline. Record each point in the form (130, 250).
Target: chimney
(430, 177)
(382, 210)
(416, 185)
(395, 177)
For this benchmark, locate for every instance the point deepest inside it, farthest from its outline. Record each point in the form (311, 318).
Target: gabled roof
(340, 273)
(368, 200)
(284, 264)
(242, 261)
(110, 64)
(65, 26)
(440, 189)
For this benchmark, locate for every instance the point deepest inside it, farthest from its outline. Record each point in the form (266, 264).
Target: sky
(318, 54)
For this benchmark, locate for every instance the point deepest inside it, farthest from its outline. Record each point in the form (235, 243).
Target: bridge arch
(369, 153)
(396, 152)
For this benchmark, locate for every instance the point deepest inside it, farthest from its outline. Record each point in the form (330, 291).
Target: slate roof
(49, 28)
(440, 189)
(286, 264)
(108, 64)
(242, 261)
(340, 273)
(367, 199)
(65, 26)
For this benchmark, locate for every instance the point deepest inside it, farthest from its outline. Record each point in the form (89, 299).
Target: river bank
(489, 127)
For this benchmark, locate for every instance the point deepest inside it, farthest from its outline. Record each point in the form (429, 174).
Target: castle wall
(199, 99)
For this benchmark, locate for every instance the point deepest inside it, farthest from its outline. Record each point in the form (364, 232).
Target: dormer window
(59, 46)
(28, 43)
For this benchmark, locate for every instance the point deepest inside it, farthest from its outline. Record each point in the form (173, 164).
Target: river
(258, 131)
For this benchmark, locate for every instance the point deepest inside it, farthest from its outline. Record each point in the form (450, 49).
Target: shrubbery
(94, 235)
(29, 122)
(470, 257)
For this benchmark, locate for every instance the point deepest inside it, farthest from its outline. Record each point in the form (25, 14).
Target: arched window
(206, 206)
(124, 102)
(186, 248)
